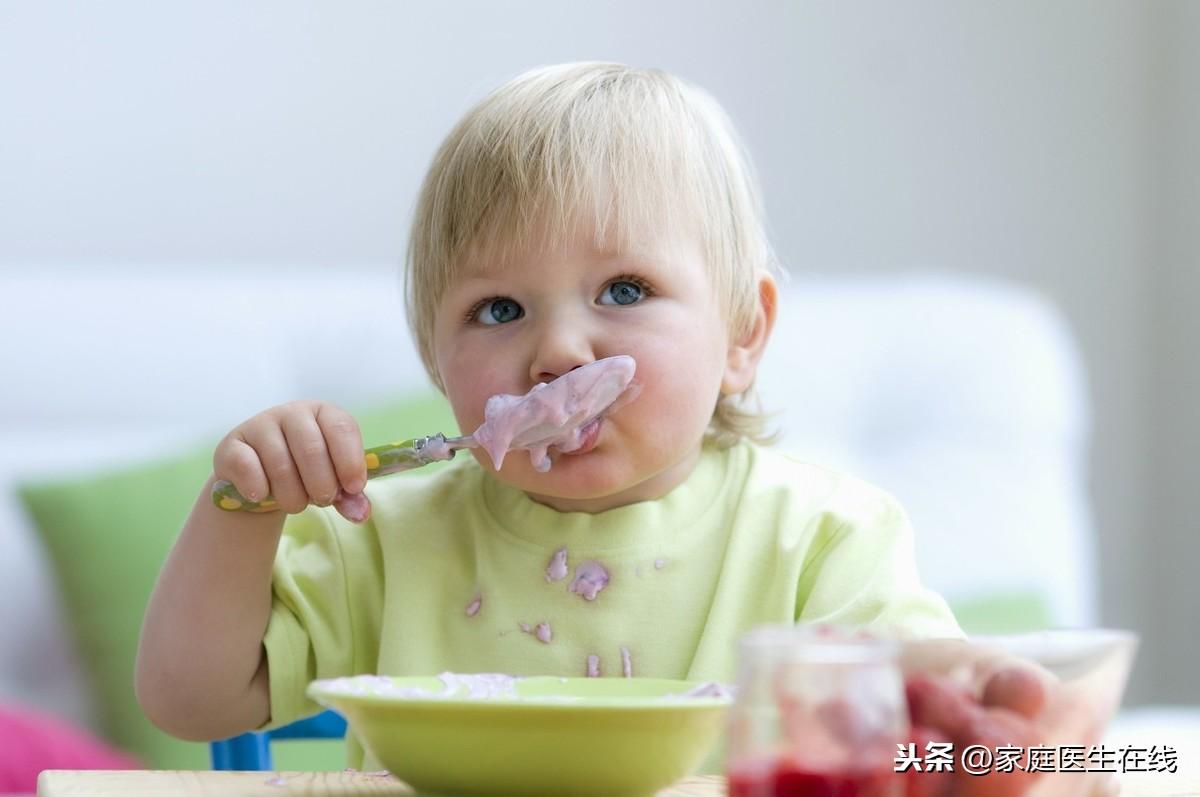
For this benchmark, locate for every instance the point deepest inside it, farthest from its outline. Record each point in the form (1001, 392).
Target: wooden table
(62, 783)
(77, 783)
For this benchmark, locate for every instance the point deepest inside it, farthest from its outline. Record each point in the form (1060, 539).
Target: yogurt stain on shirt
(542, 631)
(556, 570)
(590, 578)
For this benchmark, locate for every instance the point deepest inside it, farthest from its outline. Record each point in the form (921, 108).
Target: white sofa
(963, 398)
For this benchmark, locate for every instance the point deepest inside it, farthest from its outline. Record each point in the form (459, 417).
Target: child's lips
(589, 434)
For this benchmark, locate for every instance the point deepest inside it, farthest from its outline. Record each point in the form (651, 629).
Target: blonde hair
(638, 149)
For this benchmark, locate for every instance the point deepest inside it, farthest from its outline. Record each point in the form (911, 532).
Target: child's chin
(588, 475)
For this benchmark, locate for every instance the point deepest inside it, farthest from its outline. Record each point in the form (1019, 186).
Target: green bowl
(531, 736)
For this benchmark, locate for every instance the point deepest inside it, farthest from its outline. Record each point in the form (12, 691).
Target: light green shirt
(452, 563)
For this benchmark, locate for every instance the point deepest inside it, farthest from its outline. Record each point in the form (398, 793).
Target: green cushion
(107, 535)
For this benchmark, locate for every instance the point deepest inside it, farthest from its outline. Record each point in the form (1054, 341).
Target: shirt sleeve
(863, 571)
(326, 602)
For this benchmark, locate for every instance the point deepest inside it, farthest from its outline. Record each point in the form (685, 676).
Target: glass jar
(818, 712)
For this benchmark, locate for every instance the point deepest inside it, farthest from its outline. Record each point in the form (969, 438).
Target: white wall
(1047, 143)
(1170, 535)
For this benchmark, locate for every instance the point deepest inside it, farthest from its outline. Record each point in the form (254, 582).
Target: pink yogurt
(557, 414)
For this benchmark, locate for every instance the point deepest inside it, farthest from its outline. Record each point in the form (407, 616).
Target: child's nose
(557, 356)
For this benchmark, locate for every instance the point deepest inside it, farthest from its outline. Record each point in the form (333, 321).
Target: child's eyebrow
(648, 260)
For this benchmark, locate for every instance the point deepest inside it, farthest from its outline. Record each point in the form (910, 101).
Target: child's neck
(656, 486)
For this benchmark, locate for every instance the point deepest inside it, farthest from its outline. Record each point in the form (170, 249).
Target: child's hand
(298, 453)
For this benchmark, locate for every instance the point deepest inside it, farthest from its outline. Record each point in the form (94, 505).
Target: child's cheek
(468, 396)
(666, 410)
(472, 377)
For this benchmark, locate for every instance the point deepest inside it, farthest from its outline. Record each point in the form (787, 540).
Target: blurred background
(191, 152)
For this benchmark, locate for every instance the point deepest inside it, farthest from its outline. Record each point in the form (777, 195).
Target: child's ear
(744, 354)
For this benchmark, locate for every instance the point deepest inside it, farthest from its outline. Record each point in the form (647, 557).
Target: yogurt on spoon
(564, 415)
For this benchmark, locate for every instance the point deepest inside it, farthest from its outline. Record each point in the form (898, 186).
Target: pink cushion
(31, 741)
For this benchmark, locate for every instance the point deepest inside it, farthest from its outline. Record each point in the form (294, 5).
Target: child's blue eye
(497, 311)
(622, 292)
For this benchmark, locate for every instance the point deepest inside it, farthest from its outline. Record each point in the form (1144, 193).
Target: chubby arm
(201, 669)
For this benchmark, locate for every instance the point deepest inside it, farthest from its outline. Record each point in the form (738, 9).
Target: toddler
(580, 211)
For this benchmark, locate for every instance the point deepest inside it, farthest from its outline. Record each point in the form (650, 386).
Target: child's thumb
(355, 508)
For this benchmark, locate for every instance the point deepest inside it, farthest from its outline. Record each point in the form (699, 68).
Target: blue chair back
(252, 751)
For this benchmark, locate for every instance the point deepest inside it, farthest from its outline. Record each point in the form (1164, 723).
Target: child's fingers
(236, 461)
(311, 455)
(356, 508)
(344, 440)
(284, 479)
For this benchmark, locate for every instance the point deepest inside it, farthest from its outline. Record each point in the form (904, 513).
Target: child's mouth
(588, 435)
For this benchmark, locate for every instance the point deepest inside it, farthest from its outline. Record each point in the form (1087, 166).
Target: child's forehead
(655, 250)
